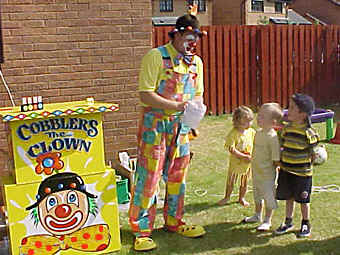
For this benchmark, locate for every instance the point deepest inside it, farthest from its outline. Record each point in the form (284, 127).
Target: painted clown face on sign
(62, 208)
(63, 204)
(64, 212)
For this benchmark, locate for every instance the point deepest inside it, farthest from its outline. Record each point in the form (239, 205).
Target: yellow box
(65, 214)
(61, 137)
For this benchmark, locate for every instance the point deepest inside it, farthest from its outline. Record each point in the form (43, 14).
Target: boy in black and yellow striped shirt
(298, 140)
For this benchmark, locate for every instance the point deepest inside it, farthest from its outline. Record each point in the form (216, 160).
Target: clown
(62, 208)
(170, 77)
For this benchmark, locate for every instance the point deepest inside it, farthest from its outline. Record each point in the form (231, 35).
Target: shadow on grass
(199, 207)
(218, 237)
(231, 237)
(302, 246)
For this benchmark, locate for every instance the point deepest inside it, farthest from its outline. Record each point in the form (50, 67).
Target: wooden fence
(251, 65)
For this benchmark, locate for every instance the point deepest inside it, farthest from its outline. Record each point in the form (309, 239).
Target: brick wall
(227, 12)
(68, 50)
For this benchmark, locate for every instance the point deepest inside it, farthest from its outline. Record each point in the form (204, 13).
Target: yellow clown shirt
(152, 70)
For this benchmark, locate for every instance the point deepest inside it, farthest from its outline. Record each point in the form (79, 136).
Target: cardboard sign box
(61, 137)
(64, 214)
(60, 197)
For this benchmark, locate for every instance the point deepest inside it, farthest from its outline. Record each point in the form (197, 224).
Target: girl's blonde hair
(275, 111)
(240, 113)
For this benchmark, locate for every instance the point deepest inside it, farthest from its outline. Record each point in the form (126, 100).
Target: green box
(330, 129)
(123, 191)
(325, 129)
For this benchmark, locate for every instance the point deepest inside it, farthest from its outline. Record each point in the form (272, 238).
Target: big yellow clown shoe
(65, 214)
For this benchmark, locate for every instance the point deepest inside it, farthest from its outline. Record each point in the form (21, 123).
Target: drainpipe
(243, 12)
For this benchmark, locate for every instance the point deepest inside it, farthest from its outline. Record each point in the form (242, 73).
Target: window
(278, 7)
(257, 6)
(165, 5)
(201, 5)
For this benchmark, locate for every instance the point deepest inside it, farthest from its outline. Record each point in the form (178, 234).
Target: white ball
(320, 154)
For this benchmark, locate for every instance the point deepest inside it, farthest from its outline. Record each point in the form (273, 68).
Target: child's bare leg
(305, 211)
(268, 216)
(227, 195)
(288, 223)
(242, 200)
(289, 208)
(267, 223)
(257, 216)
(258, 207)
(305, 230)
(243, 191)
(229, 189)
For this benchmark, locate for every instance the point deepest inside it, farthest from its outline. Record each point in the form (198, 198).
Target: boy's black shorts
(291, 186)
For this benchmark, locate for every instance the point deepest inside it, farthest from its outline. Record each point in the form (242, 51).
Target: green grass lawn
(225, 233)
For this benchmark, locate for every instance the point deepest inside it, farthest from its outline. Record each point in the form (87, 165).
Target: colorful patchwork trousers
(163, 152)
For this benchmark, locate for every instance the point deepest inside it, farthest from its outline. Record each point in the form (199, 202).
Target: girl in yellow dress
(239, 142)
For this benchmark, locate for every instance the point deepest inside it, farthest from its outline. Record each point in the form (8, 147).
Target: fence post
(226, 69)
(219, 70)
(264, 63)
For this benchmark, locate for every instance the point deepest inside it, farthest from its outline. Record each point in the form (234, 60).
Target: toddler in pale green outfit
(265, 159)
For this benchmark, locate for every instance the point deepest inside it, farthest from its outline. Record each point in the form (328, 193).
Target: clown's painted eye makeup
(72, 198)
(51, 202)
(191, 37)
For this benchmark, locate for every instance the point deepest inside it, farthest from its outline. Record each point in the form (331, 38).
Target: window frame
(255, 8)
(201, 5)
(280, 10)
(166, 5)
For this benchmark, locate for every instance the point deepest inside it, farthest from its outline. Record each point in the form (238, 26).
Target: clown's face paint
(191, 37)
(190, 44)
(64, 212)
